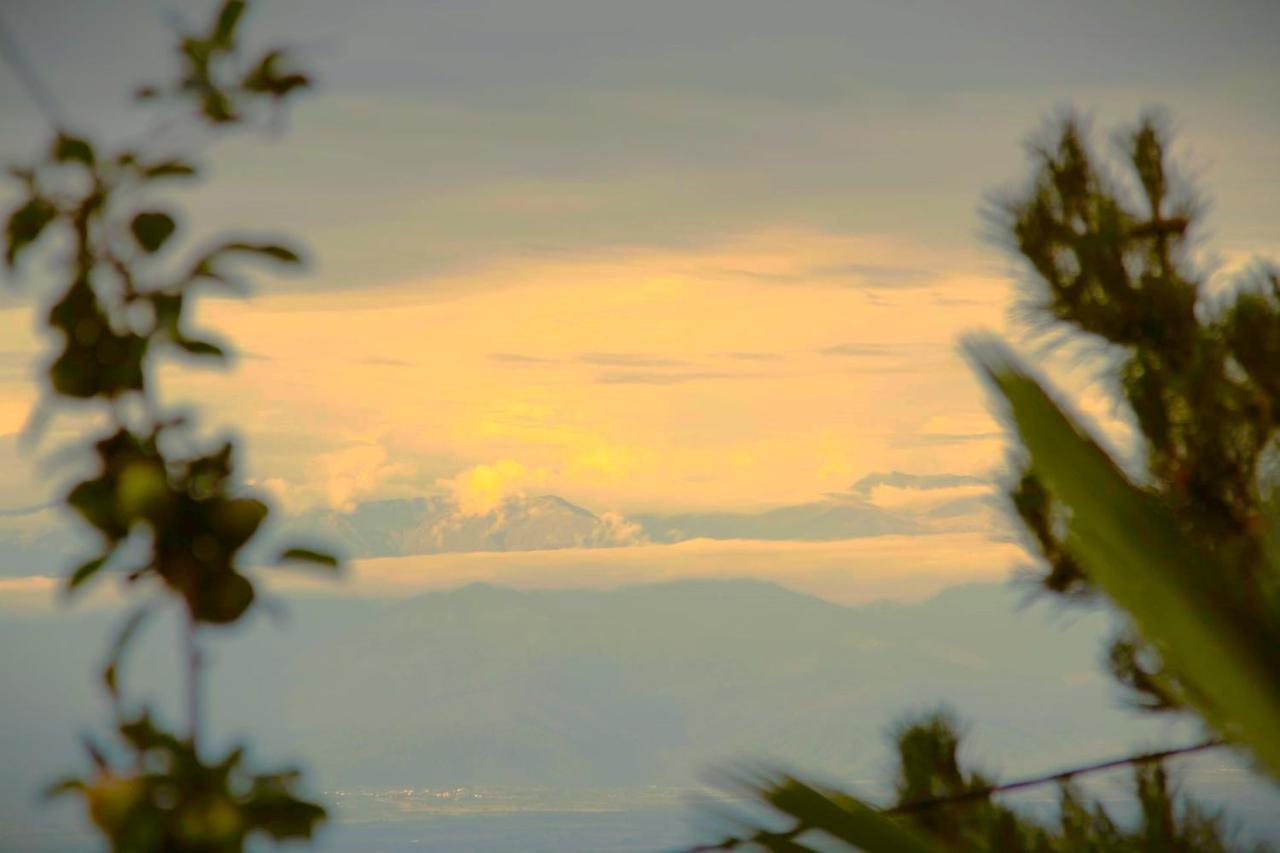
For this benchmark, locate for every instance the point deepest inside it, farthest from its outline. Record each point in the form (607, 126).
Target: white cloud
(481, 489)
(338, 479)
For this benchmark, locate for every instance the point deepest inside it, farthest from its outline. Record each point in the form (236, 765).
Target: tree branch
(1062, 776)
(916, 806)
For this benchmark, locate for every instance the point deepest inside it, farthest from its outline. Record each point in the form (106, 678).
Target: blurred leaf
(275, 810)
(206, 266)
(110, 670)
(849, 820)
(202, 348)
(208, 474)
(237, 519)
(25, 225)
(63, 786)
(168, 308)
(142, 490)
(68, 149)
(217, 108)
(84, 571)
(306, 555)
(169, 169)
(1135, 550)
(167, 798)
(222, 599)
(95, 752)
(95, 500)
(266, 77)
(152, 228)
(270, 250)
(224, 26)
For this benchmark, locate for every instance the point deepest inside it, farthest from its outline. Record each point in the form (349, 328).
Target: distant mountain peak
(435, 525)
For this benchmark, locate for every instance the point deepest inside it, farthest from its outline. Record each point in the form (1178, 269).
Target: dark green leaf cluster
(196, 528)
(171, 799)
(123, 301)
(214, 78)
(1113, 264)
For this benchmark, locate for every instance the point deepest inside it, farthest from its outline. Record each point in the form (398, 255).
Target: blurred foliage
(1186, 549)
(124, 300)
(1196, 374)
(942, 806)
(170, 799)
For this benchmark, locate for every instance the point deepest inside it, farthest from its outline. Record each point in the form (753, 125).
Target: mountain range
(651, 685)
(45, 540)
(647, 684)
(433, 525)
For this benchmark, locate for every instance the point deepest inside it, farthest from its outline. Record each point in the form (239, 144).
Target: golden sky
(642, 257)
(768, 369)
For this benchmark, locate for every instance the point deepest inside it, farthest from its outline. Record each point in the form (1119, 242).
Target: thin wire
(1063, 776)
(40, 94)
(917, 806)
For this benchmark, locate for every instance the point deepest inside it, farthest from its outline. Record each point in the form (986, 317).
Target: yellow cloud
(483, 488)
(615, 373)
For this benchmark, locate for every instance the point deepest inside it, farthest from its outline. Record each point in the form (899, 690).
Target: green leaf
(142, 490)
(152, 228)
(1133, 548)
(274, 810)
(169, 169)
(222, 600)
(84, 571)
(269, 250)
(237, 519)
(266, 78)
(307, 555)
(224, 26)
(68, 149)
(206, 266)
(847, 819)
(110, 671)
(62, 786)
(168, 310)
(95, 500)
(25, 225)
(202, 348)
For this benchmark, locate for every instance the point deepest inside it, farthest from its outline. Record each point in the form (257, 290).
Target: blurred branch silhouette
(766, 839)
(1186, 551)
(122, 302)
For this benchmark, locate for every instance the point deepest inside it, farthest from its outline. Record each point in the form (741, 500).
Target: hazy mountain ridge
(433, 525)
(560, 689)
(640, 685)
(46, 541)
(837, 517)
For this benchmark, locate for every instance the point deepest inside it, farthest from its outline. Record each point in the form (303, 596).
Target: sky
(651, 256)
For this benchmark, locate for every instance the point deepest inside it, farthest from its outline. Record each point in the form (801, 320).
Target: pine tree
(1187, 550)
